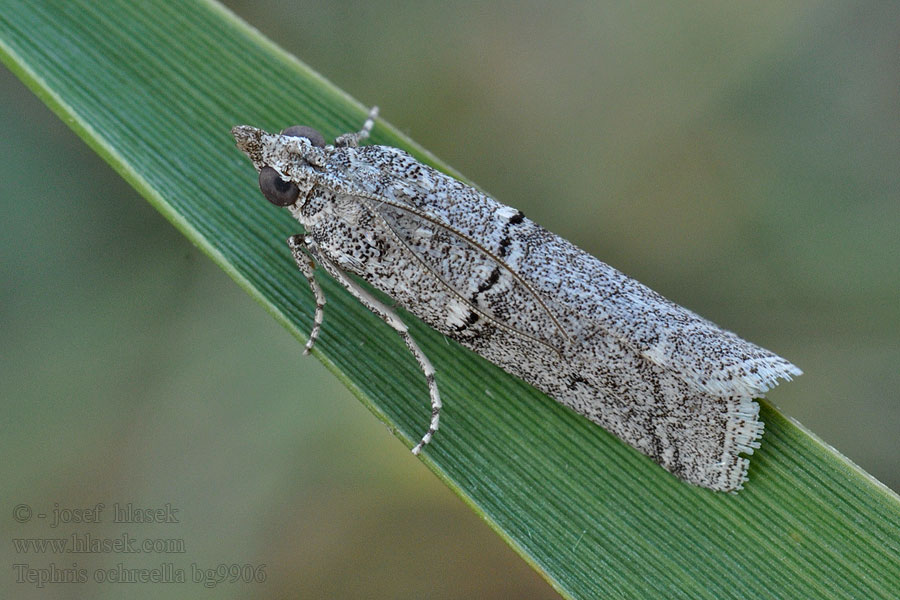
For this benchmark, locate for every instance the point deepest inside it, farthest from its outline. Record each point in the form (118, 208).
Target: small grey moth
(668, 382)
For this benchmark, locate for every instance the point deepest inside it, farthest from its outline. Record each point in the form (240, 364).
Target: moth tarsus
(671, 384)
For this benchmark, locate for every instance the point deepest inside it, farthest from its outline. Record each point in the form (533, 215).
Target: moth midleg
(387, 315)
(352, 140)
(306, 265)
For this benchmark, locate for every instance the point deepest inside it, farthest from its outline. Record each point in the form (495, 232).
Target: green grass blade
(154, 88)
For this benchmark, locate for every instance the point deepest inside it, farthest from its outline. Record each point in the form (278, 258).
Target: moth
(668, 382)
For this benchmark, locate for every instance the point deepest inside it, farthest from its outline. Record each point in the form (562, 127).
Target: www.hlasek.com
(85, 543)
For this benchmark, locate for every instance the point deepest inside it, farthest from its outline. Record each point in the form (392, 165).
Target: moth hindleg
(307, 267)
(352, 140)
(386, 314)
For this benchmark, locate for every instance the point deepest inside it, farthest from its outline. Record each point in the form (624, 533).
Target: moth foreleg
(306, 265)
(352, 140)
(386, 314)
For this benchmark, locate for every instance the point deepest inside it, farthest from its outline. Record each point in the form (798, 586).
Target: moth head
(286, 161)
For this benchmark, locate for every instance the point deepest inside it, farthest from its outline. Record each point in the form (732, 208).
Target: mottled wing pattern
(477, 261)
(462, 235)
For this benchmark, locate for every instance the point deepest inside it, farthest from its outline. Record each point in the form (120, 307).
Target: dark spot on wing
(491, 280)
(471, 319)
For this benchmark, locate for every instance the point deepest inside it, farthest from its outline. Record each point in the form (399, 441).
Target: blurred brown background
(743, 159)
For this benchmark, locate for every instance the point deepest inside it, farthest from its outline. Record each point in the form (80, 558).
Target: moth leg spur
(307, 267)
(352, 140)
(382, 311)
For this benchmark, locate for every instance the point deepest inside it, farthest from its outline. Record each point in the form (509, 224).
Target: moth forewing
(671, 384)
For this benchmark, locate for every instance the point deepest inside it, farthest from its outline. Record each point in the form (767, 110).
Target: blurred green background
(743, 159)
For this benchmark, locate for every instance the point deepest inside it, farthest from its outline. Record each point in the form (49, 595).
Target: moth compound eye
(316, 138)
(276, 190)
